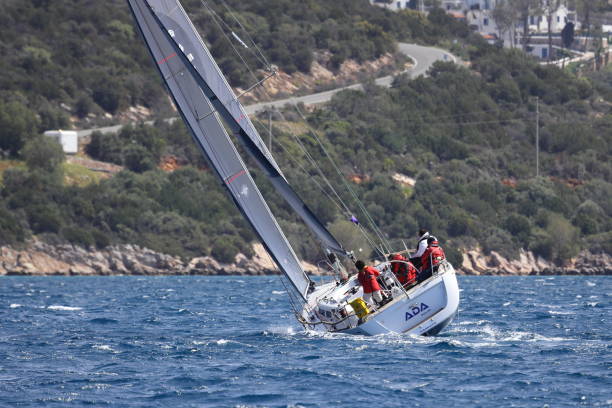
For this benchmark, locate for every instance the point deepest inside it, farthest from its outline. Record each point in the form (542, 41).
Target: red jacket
(405, 272)
(435, 253)
(367, 278)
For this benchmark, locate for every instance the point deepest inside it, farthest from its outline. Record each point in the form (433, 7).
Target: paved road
(423, 57)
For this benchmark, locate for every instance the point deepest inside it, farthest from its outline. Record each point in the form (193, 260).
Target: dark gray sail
(205, 125)
(189, 47)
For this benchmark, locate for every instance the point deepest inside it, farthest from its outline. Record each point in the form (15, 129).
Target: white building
(393, 4)
(67, 138)
(479, 16)
(560, 17)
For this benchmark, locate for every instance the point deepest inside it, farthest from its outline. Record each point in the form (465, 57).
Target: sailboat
(209, 107)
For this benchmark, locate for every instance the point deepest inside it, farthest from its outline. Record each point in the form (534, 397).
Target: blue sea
(233, 342)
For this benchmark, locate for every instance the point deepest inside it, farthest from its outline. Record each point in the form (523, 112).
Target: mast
(206, 128)
(176, 26)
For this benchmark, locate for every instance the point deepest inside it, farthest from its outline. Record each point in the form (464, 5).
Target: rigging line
(309, 176)
(215, 17)
(228, 28)
(477, 123)
(261, 54)
(260, 82)
(344, 210)
(218, 20)
(459, 115)
(347, 186)
(160, 50)
(314, 164)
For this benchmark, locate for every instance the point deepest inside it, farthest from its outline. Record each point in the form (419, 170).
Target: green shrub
(17, 125)
(79, 236)
(224, 250)
(101, 239)
(44, 153)
(44, 218)
(453, 255)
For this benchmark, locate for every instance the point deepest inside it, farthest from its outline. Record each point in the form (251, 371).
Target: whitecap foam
(556, 312)
(278, 292)
(590, 284)
(468, 322)
(282, 330)
(103, 347)
(14, 305)
(66, 308)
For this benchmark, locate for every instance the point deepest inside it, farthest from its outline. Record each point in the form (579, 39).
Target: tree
(17, 125)
(549, 7)
(567, 34)
(505, 16)
(43, 153)
(523, 8)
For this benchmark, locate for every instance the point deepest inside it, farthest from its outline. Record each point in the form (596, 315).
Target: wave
(104, 347)
(15, 305)
(65, 308)
(555, 312)
(103, 320)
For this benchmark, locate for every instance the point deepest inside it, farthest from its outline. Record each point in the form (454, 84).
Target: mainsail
(187, 45)
(202, 119)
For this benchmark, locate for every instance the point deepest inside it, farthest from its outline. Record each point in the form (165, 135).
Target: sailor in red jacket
(404, 270)
(431, 258)
(367, 278)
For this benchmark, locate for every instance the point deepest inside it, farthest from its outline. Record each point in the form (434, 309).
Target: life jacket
(404, 271)
(433, 253)
(367, 278)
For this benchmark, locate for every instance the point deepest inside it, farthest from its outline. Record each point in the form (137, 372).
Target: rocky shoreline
(39, 258)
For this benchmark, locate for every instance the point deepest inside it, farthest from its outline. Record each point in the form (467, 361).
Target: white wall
(68, 139)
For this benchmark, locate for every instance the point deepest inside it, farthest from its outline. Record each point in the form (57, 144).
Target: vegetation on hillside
(466, 135)
(65, 58)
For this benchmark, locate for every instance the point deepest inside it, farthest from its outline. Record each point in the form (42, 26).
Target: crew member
(431, 258)
(367, 278)
(404, 270)
(420, 248)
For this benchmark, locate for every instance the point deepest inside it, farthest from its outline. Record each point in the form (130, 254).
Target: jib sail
(187, 45)
(202, 118)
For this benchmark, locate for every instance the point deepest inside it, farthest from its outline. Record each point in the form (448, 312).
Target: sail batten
(203, 120)
(217, 90)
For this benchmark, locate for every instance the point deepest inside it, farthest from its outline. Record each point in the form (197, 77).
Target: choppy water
(229, 341)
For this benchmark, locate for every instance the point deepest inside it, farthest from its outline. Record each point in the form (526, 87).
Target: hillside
(66, 59)
(466, 136)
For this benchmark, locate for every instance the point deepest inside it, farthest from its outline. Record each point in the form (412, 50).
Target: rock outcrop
(39, 258)
(476, 262)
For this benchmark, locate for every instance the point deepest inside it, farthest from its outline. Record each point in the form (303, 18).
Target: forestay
(203, 120)
(188, 46)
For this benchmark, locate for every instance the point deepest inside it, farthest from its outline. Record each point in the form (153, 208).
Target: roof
(456, 14)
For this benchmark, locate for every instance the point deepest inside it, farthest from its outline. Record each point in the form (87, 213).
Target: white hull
(422, 310)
